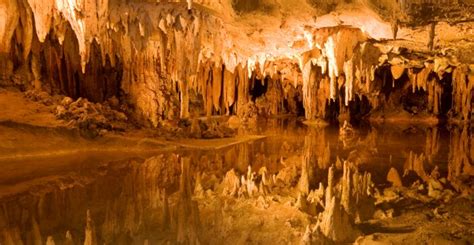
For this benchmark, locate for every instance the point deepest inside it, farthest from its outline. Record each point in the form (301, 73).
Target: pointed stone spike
(68, 240)
(50, 241)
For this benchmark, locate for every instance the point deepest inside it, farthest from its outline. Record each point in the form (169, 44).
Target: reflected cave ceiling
(188, 42)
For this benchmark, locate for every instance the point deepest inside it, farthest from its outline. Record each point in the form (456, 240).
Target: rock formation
(160, 57)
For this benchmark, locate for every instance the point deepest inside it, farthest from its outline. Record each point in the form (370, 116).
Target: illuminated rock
(394, 178)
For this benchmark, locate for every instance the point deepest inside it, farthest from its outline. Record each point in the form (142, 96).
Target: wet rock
(66, 101)
(312, 236)
(261, 203)
(230, 184)
(381, 214)
(234, 122)
(50, 241)
(370, 240)
(336, 224)
(286, 176)
(198, 189)
(248, 112)
(113, 102)
(301, 202)
(91, 118)
(394, 178)
(68, 240)
(195, 129)
(435, 189)
(215, 129)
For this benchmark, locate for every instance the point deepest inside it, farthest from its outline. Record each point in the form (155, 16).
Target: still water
(150, 196)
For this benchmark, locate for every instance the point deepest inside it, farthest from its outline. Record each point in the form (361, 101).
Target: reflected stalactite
(356, 193)
(460, 159)
(243, 157)
(335, 223)
(432, 144)
(90, 237)
(416, 163)
(187, 212)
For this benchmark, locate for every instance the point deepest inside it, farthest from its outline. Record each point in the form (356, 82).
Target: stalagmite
(355, 189)
(335, 223)
(303, 183)
(50, 241)
(394, 178)
(329, 190)
(198, 189)
(90, 236)
(68, 240)
(35, 233)
(231, 183)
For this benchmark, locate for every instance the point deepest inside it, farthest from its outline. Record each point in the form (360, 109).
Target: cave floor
(138, 190)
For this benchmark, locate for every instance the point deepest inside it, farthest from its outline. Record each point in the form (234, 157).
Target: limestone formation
(91, 50)
(187, 212)
(90, 236)
(394, 178)
(203, 77)
(335, 222)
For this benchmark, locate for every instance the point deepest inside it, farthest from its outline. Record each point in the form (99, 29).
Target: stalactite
(180, 40)
(184, 98)
(463, 87)
(349, 72)
(397, 71)
(216, 86)
(242, 87)
(229, 89)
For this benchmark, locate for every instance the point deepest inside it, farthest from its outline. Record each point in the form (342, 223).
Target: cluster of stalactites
(340, 57)
(463, 89)
(342, 64)
(422, 80)
(220, 87)
(427, 77)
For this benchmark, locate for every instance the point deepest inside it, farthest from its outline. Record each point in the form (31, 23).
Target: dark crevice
(259, 88)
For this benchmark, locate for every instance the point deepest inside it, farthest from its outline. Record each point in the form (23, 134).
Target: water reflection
(166, 198)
